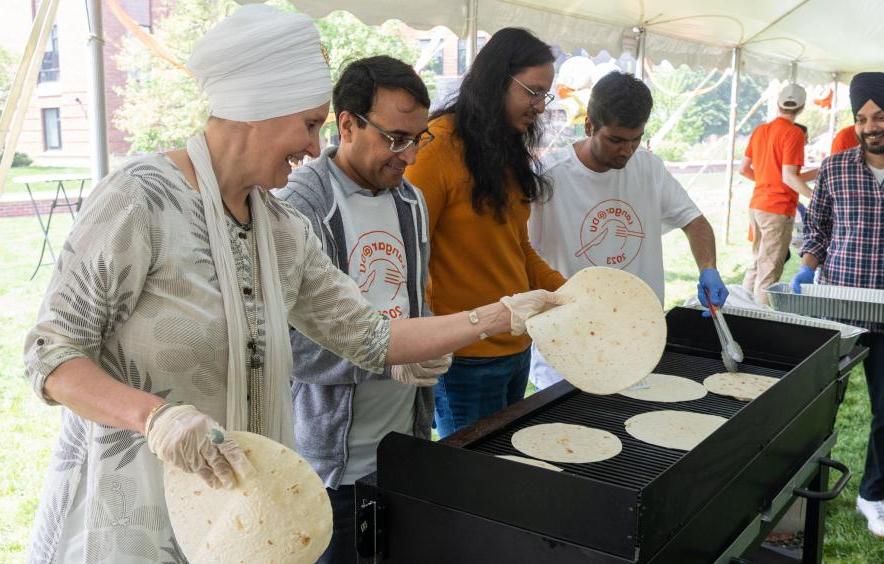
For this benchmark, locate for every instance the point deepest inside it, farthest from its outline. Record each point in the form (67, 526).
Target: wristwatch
(474, 320)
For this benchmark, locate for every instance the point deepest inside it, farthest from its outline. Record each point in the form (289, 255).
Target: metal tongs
(731, 353)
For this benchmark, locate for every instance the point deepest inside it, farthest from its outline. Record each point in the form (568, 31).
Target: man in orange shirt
(845, 139)
(773, 160)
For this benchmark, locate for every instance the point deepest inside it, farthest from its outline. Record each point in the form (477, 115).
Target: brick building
(56, 128)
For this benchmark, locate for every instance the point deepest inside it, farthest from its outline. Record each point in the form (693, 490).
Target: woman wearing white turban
(167, 315)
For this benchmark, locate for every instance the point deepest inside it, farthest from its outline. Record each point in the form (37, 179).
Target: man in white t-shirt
(373, 225)
(612, 202)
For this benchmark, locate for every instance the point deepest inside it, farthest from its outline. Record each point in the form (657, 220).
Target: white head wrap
(261, 63)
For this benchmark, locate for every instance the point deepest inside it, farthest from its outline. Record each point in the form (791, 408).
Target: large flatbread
(609, 337)
(682, 430)
(667, 389)
(530, 462)
(739, 385)
(280, 514)
(561, 442)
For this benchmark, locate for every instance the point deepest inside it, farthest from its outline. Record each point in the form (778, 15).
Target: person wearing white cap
(166, 319)
(773, 160)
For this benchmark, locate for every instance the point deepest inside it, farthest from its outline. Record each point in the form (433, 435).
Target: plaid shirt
(845, 223)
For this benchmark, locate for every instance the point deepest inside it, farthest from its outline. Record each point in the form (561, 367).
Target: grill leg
(815, 520)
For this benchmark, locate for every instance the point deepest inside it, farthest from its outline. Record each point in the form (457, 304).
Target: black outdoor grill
(453, 501)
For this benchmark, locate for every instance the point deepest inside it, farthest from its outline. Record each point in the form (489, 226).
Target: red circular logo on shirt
(611, 235)
(382, 269)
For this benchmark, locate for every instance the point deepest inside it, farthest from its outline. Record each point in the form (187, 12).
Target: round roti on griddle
(666, 389)
(739, 385)
(681, 430)
(530, 462)
(611, 334)
(281, 513)
(561, 442)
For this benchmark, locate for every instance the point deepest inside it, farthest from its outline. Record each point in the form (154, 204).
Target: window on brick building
(49, 70)
(51, 129)
(462, 52)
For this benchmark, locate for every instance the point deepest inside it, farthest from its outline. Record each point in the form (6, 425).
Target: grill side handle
(836, 489)
(846, 365)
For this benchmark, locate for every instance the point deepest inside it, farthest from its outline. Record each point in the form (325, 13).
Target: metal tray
(837, 302)
(849, 333)
(867, 295)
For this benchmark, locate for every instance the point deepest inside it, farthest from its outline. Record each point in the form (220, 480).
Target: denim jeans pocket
(475, 360)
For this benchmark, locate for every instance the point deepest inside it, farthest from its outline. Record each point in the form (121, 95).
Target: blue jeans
(342, 547)
(475, 387)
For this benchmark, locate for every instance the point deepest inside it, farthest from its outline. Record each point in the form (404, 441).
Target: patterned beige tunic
(135, 289)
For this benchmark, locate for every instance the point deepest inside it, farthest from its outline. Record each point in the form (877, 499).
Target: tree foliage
(706, 116)
(7, 72)
(162, 106)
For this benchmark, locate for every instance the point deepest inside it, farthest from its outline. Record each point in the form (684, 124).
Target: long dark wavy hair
(493, 150)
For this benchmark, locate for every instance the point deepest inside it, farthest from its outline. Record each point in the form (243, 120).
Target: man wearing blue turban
(844, 246)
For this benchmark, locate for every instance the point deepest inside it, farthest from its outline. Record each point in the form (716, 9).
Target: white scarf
(278, 351)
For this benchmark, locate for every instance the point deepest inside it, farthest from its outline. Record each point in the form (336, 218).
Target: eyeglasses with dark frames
(536, 97)
(398, 143)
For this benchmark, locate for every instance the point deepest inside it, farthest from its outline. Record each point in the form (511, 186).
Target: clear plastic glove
(804, 276)
(194, 442)
(421, 373)
(528, 304)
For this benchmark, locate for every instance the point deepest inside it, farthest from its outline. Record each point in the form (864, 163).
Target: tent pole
(732, 137)
(472, 31)
(640, 53)
(98, 117)
(18, 108)
(18, 82)
(833, 110)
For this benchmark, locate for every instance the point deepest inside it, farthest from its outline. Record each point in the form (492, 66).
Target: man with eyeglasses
(612, 201)
(373, 225)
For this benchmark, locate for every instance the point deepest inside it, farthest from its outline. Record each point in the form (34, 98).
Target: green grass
(28, 427)
(19, 189)
(847, 539)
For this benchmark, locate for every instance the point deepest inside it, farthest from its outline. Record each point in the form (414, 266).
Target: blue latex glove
(804, 276)
(711, 281)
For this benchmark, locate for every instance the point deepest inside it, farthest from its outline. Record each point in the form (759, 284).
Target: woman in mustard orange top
(479, 180)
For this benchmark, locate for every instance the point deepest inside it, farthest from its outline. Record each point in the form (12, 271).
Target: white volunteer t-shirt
(376, 256)
(615, 219)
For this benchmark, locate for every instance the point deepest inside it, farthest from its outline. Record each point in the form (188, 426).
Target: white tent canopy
(821, 36)
(809, 41)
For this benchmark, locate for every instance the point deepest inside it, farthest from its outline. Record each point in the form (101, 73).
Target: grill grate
(639, 463)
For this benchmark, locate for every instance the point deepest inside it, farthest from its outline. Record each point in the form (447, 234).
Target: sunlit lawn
(14, 188)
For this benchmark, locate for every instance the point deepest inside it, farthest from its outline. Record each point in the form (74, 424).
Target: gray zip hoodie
(323, 384)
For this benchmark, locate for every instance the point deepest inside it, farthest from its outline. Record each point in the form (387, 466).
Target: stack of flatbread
(561, 442)
(609, 336)
(665, 389)
(279, 514)
(530, 462)
(739, 385)
(681, 430)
